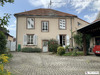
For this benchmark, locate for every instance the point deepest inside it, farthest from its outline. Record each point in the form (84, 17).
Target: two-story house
(34, 28)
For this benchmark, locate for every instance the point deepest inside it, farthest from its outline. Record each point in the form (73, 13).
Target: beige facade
(54, 30)
(10, 38)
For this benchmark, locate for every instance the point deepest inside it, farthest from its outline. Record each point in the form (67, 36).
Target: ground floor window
(30, 39)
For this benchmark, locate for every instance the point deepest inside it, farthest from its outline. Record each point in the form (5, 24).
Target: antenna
(50, 3)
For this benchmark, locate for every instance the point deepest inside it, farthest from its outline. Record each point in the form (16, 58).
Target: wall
(53, 29)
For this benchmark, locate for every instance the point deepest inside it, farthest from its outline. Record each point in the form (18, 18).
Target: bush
(67, 47)
(31, 49)
(3, 43)
(52, 45)
(60, 50)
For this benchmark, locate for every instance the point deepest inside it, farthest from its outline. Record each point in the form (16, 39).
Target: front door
(45, 46)
(62, 40)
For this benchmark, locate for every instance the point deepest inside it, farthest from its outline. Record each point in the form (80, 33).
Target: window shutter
(67, 40)
(58, 39)
(34, 39)
(25, 40)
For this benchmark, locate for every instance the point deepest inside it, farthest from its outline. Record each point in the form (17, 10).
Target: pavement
(51, 64)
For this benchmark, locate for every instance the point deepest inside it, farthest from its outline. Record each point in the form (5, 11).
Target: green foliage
(2, 2)
(2, 42)
(78, 39)
(27, 49)
(60, 50)
(52, 45)
(74, 54)
(67, 46)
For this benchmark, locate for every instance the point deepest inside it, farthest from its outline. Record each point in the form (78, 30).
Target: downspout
(16, 31)
(71, 33)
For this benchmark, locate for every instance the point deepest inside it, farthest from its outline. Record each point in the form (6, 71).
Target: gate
(11, 45)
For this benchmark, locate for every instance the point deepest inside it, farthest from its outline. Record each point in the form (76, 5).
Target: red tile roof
(44, 12)
(96, 20)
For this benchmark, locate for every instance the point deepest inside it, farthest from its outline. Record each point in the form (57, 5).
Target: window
(79, 24)
(62, 24)
(30, 23)
(45, 26)
(30, 39)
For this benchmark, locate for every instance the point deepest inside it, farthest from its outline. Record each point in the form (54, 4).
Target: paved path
(46, 64)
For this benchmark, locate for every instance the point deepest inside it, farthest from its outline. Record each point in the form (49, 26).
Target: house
(34, 28)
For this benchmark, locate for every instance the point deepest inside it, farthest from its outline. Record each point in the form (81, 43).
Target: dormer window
(30, 23)
(62, 24)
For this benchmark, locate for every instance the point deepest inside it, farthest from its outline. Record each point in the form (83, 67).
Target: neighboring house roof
(44, 12)
(97, 18)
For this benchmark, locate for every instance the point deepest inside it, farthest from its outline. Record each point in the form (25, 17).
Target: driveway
(46, 64)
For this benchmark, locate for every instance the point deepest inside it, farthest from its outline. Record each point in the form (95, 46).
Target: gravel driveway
(46, 64)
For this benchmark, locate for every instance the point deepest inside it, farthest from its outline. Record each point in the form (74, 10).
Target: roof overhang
(93, 29)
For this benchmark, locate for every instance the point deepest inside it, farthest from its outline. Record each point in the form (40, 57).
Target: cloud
(96, 5)
(12, 27)
(90, 18)
(45, 3)
(80, 5)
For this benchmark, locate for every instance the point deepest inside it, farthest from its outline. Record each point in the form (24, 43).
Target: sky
(84, 9)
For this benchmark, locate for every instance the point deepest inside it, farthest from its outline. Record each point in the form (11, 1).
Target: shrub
(60, 50)
(4, 59)
(52, 45)
(27, 49)
(2, 43)
(67, 47)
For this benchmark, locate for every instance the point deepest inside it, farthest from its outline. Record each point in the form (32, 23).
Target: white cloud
(90, 18)
(45, 3)
(96, 5)
(80, 5)
(12, 27)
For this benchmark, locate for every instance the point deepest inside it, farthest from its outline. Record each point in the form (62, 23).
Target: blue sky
(84, 9)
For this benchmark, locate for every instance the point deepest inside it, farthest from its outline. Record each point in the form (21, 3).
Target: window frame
(65, 24)
(27, 23)
(42, 24)
(31, 38)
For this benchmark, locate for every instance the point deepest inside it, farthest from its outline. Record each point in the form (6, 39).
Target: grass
(72, 54)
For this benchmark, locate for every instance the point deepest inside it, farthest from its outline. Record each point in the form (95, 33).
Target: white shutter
(58, 39)
(35, 40)
(67, 40)
(25, 40)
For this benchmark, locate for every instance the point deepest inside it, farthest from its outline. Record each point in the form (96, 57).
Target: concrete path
(46, 64)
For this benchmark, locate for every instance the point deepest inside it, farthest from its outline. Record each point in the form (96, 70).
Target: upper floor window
(45, 26)
(30, 23)
(79, 23)
(62, 24)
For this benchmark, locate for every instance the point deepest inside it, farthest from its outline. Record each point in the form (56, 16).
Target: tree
(5, 19)
(4, 22)
(2, 42)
